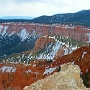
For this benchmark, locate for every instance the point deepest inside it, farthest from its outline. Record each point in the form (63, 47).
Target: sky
(35, 8)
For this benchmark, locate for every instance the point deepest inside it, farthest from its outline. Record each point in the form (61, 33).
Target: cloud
(36, 8)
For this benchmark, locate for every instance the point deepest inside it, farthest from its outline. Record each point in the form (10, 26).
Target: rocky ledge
(67, 79)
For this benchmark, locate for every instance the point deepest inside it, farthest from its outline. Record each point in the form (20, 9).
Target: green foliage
(70, 41)
(13, 44)
(85, 79)
(78, 18)
(59, 69)
(50, 61)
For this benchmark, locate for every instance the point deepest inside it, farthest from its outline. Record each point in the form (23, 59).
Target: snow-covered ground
(53, 49)
(23, 34)
(49, 71)
(88, 34)
(8, 69)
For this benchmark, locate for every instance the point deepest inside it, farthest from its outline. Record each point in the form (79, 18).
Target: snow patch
(50, 70)
(4, 31)
(88, 34)
(7, 69)
(28, 71)
(1, 28)
(12, 33)
(23, 34)
(84, 54)
(73, 62)
(52, 53)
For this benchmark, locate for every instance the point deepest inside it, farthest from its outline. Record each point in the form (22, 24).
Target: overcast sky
(36, 8)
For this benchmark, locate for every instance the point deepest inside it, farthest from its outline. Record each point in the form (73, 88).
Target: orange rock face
(17, 76)
(43, 41)
(23, 75)
(80, 33)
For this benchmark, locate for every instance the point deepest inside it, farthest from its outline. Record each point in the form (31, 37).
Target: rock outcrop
(17, 75)
(67, 79)
(80, 33)
(81, 57)
(43, 41)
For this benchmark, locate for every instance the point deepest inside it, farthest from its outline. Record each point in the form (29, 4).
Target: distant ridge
(82, 18)
(79, 18)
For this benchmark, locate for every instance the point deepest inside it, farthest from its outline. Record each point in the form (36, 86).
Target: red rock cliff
(80, 33)
(43, 41)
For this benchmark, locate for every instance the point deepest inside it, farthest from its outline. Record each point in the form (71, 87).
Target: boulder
(67, 79)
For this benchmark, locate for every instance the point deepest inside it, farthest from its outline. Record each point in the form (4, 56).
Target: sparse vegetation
(70, 41)
(85, 79)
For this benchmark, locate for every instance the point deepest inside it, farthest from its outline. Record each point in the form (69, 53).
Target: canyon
(51, 48)
(16, 76)
(81, 33)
